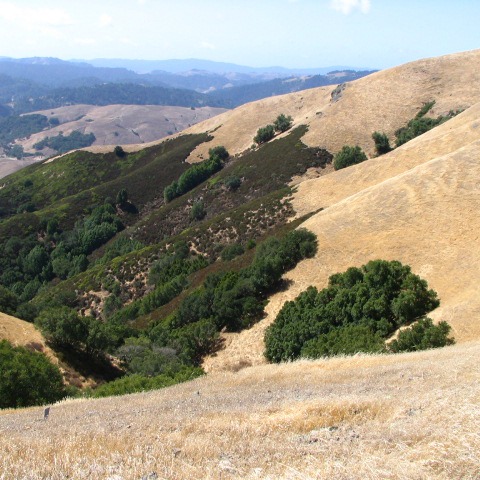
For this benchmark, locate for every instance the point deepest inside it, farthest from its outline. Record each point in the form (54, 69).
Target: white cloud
(34, 16)
(105, 20)
(347, 6)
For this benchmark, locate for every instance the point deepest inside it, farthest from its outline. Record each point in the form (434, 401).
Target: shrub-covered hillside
(105, 261)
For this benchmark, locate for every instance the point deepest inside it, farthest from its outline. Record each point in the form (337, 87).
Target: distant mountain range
(42, 83)
(185, 65)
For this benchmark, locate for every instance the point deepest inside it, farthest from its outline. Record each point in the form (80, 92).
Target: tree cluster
(30, 262)
(27, 378)
(358, 310)
(281, 124)
(197, 174)
(230, 300)
(63, 144)
(421, 124)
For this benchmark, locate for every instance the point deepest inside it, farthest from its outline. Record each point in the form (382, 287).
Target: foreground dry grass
(414, 416)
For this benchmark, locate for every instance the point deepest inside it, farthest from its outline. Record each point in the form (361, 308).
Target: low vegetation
(421, 124)
(358, 311)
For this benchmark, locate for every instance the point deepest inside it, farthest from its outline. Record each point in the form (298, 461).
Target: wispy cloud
(347, 6)
(34, 16)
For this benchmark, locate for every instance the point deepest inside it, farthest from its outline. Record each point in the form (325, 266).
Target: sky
(257, 33)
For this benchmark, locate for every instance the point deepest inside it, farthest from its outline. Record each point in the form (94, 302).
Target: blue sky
(260, 33)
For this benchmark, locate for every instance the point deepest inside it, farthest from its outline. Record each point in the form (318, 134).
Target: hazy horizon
(295, 34)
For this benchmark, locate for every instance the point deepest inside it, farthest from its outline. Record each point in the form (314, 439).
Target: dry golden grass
(21, 333)
(384, 101)
(419, 204)
(410, 416)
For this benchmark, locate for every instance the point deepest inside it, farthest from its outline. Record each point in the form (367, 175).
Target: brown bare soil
(411, 416)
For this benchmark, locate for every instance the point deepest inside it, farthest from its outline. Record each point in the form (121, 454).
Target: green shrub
(233, 182)
(27, 378)
(422, 336)
(198, 211)
(380, 296)
(346, 340)
(283, 123)
(232, 251)
(382, 144)
(264, 134)
(140, 383)
(348, 156)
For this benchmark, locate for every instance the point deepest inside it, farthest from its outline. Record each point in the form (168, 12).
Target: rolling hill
(406, 416)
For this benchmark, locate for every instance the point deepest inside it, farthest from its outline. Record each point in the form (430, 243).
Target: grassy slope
(383, 101)
(70, 184)
(121, 124)
(412, 416)
(419, 204)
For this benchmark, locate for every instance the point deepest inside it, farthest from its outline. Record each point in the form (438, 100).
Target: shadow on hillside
(97, 367)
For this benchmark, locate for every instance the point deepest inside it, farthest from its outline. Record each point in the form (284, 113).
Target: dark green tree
(264, 134)
(119, 151)
(219, 151)
(8, 301)
(27, 378)
(348, 156)
(382, 144)
(122, 197)
(283, 123)
(63, 327)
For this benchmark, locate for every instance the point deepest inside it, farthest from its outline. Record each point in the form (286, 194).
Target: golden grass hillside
(383, 101)
(410, 416)
(121, 124)
(419, 204)
(20, 333)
